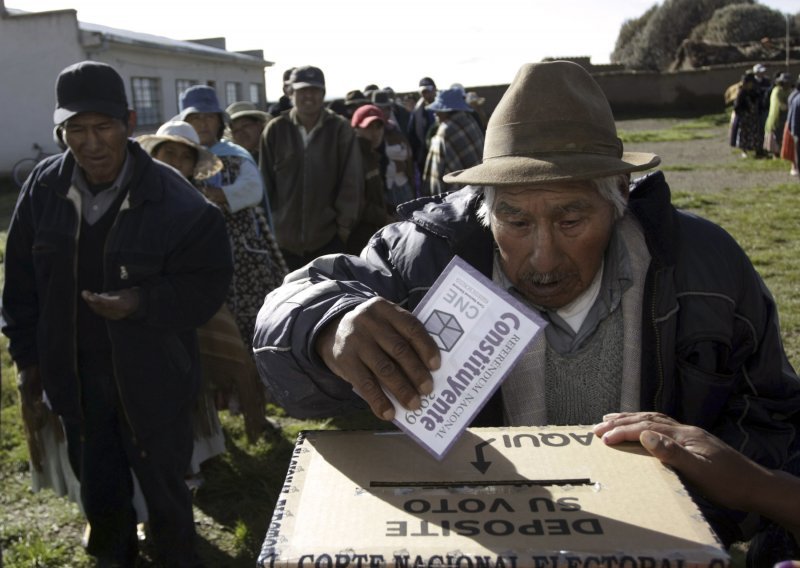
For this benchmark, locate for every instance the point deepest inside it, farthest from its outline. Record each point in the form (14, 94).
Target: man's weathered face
(429, 95)
(246, 132)
(551, 238)
(308, 101)
(207, 125)
(99, 144)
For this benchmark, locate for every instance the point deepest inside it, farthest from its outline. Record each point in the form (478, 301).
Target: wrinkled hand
(724, 475)
(113, 305)
(380, 345)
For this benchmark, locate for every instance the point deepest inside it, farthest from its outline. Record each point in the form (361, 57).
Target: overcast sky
(390, 43)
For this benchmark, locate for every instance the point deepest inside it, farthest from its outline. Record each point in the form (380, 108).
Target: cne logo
(444, 328)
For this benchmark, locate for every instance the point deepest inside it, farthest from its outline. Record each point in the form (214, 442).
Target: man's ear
(625, 186)
(131, 122)
(58, 137)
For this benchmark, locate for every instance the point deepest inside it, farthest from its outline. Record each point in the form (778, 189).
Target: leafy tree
(650, 43)
(743, 22)
(630, 30)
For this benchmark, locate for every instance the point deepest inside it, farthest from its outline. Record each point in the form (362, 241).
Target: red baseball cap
(366, 115)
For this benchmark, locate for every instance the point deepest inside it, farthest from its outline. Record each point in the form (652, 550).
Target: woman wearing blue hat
(239, 191)
(457, 143)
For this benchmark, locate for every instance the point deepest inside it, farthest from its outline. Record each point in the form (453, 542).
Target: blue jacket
(712, 354)
(166, 239)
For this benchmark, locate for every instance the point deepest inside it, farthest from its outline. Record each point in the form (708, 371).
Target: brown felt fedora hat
(553, 124)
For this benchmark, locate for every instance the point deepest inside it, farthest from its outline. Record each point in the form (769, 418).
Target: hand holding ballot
(433, 370)
(720, 472)
(380, 346)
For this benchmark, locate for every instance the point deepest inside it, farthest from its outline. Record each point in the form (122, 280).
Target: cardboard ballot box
(547, 497)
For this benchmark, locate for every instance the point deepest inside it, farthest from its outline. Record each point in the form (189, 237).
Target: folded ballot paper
(481, 331)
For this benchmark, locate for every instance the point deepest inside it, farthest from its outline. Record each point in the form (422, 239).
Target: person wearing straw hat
(247, 124)
(228, 368)
(176, 143)
(649, 308)
(456, 144)
(112, 262)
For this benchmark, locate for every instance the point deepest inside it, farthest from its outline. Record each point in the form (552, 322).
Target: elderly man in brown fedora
(649, 308)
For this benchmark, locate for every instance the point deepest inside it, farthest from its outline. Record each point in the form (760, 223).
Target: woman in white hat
(227, 365)
(176, 143)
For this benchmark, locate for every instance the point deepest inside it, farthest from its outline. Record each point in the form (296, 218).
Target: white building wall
(33, 50)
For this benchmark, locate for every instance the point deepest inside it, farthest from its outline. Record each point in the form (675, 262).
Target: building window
(233, 92)
(180, 86)
(255, 93)
(147, 100)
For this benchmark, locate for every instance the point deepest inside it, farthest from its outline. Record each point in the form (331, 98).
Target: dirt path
(705, 165)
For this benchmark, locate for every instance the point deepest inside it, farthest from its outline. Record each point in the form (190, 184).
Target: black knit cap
(89, 86)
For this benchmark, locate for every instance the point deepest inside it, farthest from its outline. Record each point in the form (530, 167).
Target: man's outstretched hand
(377, 346)
(113, 305)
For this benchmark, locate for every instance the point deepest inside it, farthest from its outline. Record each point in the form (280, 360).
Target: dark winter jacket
(167, 240)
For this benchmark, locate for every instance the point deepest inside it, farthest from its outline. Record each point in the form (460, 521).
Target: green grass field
(233, 508)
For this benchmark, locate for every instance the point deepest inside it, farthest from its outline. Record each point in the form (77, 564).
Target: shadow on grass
(239, 494)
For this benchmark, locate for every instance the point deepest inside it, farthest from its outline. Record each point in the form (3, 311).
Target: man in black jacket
(112, 261)
(648, 308)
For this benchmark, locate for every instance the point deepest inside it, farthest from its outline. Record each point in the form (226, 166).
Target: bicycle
(23, 168)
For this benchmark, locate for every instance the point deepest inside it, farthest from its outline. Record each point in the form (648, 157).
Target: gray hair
(608, 188)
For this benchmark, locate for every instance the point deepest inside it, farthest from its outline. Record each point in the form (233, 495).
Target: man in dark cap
(311, 166)
(421, 122)
(649, 308)
(112, 261)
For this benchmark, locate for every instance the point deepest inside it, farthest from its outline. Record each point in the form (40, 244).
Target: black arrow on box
(480, 462)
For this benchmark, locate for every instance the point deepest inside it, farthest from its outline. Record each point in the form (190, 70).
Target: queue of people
(175, 251)
(761, 120)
